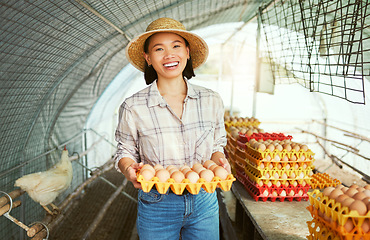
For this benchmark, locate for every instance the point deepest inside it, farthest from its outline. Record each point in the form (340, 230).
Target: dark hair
(150, 75)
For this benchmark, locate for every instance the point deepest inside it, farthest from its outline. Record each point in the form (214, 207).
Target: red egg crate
(264, 136)
(265, 192)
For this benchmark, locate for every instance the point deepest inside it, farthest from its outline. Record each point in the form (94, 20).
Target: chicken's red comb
(65, 147)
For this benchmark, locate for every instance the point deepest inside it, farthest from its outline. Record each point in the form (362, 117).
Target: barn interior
(300, 68)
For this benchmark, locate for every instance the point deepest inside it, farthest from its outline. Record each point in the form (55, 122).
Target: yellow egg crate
(283, 164)
(334, 210)
(256, 177)
(193, 188)
(254, 123)
(259, 155)
(318, 231)
(231, 140)
(323, 180)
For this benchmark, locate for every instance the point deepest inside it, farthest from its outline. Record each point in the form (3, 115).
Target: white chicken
(44, 187)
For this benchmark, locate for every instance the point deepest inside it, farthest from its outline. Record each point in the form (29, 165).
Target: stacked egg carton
(273, 172)
(323, 180)
(340, 213)
(234, 126)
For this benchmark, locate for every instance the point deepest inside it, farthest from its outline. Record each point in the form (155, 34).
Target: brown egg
(359, 196)
(279, 147)
(183, 167)
(212, 167)
(261, 146)
(367, 192)
(178, 176)
(163, 175)
(354, 186)
(147, 166)
(335, 193)
(304, 148)
(158, 167)
(185, 170)
(271, 147)
(347, 202)
(294, 183)
(367, 187)
(351, 192)
(172, 170)
(208, 163)
(327, 191)
(296, 147)
(192, 176)
(366, 226)
(197, 166)
(341, 198)
(147, 174)
(358, 206)
(278, 184)
(361, 189)
(348, 226)
(168, 168)
(367, 202)
(207, 175)
(220, 172)
(287, 147)
(198, 170)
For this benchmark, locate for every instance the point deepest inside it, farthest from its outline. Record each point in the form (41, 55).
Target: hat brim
(198, 47)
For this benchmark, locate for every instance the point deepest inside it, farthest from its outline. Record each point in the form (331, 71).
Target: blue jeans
(166, 216)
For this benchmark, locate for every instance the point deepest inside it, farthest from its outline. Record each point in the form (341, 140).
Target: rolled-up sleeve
(220, 133)
(126, 136)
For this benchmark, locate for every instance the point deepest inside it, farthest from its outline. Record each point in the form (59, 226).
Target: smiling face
(168, 54)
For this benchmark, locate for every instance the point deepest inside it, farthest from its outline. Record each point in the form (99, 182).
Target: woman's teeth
(171, 64)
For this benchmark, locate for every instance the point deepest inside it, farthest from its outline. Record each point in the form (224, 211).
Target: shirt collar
(155, 98)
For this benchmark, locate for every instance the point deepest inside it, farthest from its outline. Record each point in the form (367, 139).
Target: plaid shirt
(149, 131)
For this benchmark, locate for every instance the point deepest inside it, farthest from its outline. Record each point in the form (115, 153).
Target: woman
(171, 122)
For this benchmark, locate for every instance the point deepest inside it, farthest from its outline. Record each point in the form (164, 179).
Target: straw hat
(135, 49)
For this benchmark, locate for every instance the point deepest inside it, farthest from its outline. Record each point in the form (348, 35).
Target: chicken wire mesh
(57, 57)
(321, 44)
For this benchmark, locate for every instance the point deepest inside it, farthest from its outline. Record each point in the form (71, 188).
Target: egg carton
(265, 192)
(259, 155)
(251, 156)
(334, 210)
(257, 178)
(278, 165)
(264, 136)
(255, 123)
(193, 188)
(339, 231)
(318, 231)
(231, 140)
(323, 180)
(276, 174)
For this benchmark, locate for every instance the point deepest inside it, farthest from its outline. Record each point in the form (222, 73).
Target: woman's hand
(225, 164)
(130, 173)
